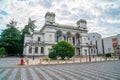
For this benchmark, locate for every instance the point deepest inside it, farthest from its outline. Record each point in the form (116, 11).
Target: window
(51, 19)
(50, 37)
(30, 49)
(85, 52)
(57, 39)
(73, 41)
(64, 38)
(36, 49)
(42, 49)
(85, 39)
(94, 50)
(91, 51)
(38, 39)
(93, 36)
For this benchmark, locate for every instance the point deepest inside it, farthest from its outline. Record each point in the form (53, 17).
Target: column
(39, 50)
(32, 50)
(75, 52)
(75, 40)
(26, 50)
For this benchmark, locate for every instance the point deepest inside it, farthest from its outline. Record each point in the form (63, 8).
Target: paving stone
(88, 71)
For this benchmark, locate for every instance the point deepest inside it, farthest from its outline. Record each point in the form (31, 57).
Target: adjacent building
(105, 45)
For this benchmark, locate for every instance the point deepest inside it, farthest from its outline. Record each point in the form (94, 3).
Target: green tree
(28, 29)
(11, 39)
(2, 52)
(62, 49)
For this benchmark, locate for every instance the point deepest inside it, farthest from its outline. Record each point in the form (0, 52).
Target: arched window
(77, 38)
(30, 49)
(36, 49)
(69, 35)
(73, 41)
(64, 37)
(42, 50)
(58, 35)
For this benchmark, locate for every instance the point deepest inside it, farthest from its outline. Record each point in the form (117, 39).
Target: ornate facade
(40, 42)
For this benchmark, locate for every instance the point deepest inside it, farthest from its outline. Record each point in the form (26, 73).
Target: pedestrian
(27, 60)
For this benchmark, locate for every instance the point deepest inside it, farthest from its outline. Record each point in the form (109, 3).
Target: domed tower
(50, 17)
(82, 23)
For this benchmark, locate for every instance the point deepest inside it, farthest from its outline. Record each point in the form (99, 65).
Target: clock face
(82, 25)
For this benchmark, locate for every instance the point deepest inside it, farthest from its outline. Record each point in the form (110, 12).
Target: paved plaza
(109, 70)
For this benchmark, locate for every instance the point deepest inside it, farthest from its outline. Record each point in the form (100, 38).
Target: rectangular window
(30, 49)
(85, 52)
(50, 38)
(38, 39)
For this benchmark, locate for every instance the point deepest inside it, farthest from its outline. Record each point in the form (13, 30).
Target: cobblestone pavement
(9, 61)
(87, 71)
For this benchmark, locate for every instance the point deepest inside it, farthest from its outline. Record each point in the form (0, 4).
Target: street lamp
(33, 52)
(118, 52)
(109, 49)
(89, 46)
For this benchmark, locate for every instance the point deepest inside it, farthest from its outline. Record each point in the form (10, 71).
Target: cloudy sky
(103, 16)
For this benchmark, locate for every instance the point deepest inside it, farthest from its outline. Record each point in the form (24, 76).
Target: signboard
(114, 42)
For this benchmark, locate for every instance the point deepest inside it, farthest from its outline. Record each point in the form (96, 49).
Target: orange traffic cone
(21, 61)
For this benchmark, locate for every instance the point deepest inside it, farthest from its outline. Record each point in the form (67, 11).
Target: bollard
(40, 60)
(73, 60)
(114, 57)
(80, 60)
(95, 59)
(100, 59)
(57, 60)
(86, 58)
(48, 60)
(66, 61)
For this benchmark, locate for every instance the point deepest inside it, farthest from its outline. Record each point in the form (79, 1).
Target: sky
(103, 16)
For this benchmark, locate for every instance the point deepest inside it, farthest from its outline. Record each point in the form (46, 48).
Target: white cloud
(100, 14)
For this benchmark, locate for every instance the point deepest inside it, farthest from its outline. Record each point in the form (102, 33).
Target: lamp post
(118, 52)
(33, 52)
(109, 49)
(89, 47)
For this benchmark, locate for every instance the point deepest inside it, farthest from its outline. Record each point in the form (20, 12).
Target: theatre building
(40, 42)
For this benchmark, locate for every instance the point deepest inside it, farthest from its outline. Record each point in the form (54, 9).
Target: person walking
(27, 60)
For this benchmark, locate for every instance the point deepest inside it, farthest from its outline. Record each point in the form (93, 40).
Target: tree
(28, 29)
(11, 39)
(62, 49)
(2, 52)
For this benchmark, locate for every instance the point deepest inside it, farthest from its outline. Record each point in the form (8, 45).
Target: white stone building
(40, 42)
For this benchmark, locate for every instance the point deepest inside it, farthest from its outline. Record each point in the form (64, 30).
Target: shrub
(51, 55)
(2, 52)
(108, 55)
(62, 49)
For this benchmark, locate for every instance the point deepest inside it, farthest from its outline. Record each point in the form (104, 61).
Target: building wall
(99, 46)
(108, 46)
(104, 45)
